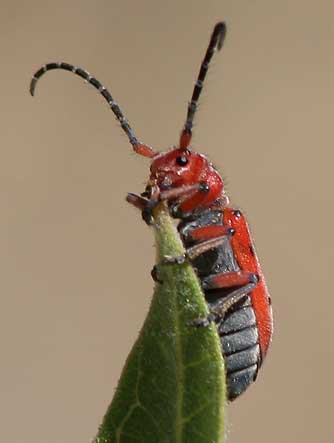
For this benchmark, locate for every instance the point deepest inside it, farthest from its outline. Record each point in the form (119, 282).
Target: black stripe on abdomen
(240, 348)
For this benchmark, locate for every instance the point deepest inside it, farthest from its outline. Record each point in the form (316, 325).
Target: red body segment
(166, 173)
(247, 259)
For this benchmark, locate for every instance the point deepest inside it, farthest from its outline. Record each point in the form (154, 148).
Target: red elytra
(216, 237)
(244, 251)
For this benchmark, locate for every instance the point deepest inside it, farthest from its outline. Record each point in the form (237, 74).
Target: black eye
(182, 160)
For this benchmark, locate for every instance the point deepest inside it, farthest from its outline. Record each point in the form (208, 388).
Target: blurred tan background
(75, 258)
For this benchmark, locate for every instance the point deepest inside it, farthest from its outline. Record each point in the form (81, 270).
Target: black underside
(238, 329)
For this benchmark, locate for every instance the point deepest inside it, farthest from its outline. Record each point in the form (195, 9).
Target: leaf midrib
(179, 373)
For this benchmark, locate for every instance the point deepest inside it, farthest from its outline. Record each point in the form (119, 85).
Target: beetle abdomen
(240, 346)
(238, 329)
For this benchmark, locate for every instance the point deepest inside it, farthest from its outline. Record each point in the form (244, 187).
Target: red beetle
(216, 237)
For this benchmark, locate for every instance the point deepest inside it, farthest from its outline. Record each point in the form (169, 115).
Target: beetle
(216, 236)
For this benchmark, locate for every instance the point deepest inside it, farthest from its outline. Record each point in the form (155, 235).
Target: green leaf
(172, 388)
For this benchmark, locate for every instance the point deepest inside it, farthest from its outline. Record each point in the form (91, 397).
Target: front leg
(144, 205)
(149, 199)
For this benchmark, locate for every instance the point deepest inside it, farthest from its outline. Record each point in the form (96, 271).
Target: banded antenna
(216, 43)
(138, 147)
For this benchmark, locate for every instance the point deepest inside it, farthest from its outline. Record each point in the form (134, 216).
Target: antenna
(138, 147)
(216, 43)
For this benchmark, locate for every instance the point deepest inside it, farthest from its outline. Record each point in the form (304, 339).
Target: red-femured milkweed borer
(216, 236)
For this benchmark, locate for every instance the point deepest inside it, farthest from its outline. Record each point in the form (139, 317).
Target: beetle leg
(183, 192)
(154, 196)
(219, 309)
(155, 276)
(191, 253)
(198, 249)
(136, 200)
(146, 206)
(209, 232)
(228, 279)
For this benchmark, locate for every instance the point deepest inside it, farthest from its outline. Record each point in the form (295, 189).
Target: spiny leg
(138, 147)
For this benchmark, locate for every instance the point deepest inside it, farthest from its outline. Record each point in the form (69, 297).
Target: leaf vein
(197, 412)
